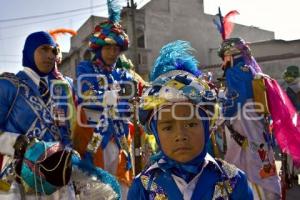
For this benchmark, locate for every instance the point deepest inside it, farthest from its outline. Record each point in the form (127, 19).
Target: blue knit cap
(33, 41)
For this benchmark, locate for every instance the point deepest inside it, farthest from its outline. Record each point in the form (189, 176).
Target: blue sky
(275, 15)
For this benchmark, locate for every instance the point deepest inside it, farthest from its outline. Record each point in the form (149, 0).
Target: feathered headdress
(224, 24)
(233, 46)
(175, 56)
(175, 78)
(56, 32)
(110, 31)
(114, 10)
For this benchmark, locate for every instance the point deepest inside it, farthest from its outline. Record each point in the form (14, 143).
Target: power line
(51, 14)
(21, 36)
(53, 19)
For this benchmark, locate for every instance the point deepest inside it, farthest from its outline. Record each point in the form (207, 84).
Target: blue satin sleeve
(137, 191)
(7, 95)
(242, 189)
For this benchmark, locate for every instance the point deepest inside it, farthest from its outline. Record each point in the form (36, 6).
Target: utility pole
(134, 39)
(137, 136)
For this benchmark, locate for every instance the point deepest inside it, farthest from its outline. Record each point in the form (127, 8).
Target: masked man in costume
(254, 103)
(249, 141)
(103, 96)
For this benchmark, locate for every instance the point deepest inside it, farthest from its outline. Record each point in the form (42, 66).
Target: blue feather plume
(114, 10)
(175, 56)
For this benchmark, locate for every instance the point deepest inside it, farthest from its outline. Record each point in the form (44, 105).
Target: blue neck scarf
(187, 170)
(33, 41)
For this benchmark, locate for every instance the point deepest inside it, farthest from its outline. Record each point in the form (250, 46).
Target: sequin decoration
(155, 191)
(224, 188)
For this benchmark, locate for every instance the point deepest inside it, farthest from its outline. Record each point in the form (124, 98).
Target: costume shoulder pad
(227, 168)
(11, 77)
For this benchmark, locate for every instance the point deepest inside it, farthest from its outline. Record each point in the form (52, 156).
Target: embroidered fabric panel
(225, 188)
(155, 191)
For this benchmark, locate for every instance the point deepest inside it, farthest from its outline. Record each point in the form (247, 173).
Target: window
(141, 41)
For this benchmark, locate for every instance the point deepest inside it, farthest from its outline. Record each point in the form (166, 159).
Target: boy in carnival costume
(31, 140)
(104, 140)
(174, 109)
(255, 110)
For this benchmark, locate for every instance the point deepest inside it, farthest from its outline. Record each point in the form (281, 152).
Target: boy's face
(181, 139)
(110, 53)
(44, 58)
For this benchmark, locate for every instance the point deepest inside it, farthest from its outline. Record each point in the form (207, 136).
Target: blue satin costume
(22, 111)
(155, 182)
